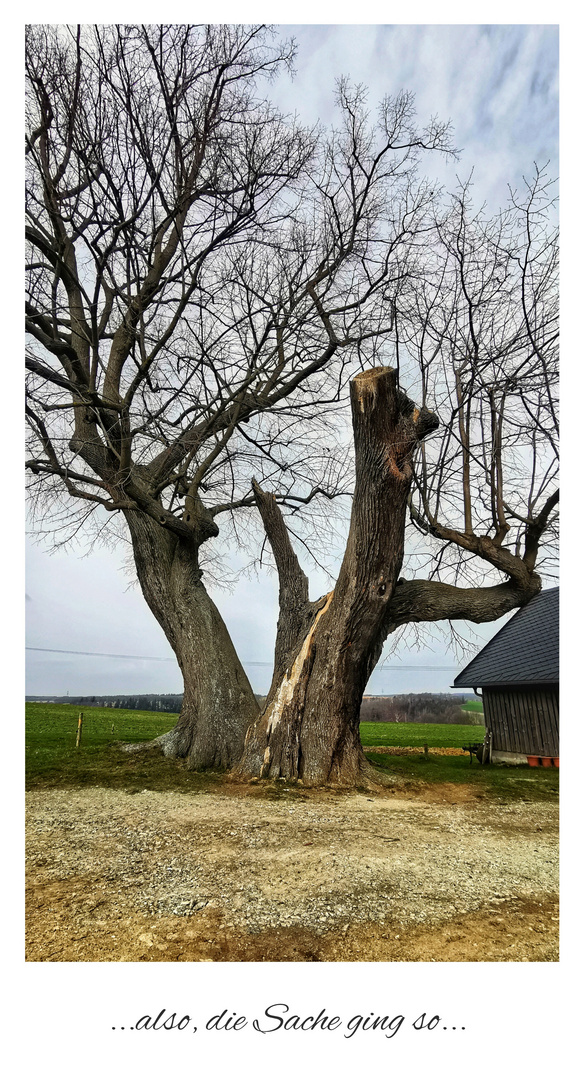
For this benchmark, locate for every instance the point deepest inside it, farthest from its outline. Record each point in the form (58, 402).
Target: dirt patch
(159, 876)
(407, 751)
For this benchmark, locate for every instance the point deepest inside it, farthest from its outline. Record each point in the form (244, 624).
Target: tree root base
(367, 778)
(136, 748)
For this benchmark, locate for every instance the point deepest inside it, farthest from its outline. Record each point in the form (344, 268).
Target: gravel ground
(315, 876)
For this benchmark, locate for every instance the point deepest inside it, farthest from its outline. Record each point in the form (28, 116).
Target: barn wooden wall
(523, 719)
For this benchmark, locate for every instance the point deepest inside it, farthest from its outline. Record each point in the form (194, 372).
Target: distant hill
(417, 709)
(385, 709)
(171, 703)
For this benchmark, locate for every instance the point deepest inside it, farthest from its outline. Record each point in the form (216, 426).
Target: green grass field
(507, 783)
(420, 734)
(52, 759)
(472, 706)
(495, 781)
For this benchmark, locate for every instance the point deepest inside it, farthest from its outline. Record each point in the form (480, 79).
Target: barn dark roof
(526, 649)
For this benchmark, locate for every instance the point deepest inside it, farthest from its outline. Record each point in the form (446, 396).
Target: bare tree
(203, 276)
(478, 335)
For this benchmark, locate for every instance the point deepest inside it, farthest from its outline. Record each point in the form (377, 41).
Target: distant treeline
(417, 709)
(400, 708)
(145, 702)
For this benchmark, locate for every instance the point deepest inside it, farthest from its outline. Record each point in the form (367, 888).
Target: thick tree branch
(293, 595)
(535, 529)
(518, 569)
(433, 601)
(47, 375)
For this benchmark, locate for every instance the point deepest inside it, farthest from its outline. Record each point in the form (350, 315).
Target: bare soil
(407, 751)
(439, 875)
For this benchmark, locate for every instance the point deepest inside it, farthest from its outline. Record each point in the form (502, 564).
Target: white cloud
(497, 84)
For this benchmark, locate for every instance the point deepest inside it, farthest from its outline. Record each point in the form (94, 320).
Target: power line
(248, 663)
(111, 656)
(417, 667)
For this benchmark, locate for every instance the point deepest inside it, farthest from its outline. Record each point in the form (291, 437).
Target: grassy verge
(514, 782)
(52, 759)
(507, 782)
(420, 734)
(475, 707)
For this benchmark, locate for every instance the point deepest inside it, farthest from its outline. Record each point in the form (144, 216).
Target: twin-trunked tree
(205, 278)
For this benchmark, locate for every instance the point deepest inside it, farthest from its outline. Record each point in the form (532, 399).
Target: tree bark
(309, 728)
(218, 702)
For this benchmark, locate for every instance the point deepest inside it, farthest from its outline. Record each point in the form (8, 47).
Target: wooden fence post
(79, 727)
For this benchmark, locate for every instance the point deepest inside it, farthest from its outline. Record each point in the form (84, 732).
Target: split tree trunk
(325, 652)
(218, 702)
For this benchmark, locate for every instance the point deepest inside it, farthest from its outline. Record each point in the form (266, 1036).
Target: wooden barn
(518, 676)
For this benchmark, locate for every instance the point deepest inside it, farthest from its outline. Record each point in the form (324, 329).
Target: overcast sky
(499, 87)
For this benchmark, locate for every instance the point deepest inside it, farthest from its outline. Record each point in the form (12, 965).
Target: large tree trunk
(326, 652)
(218, 702)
